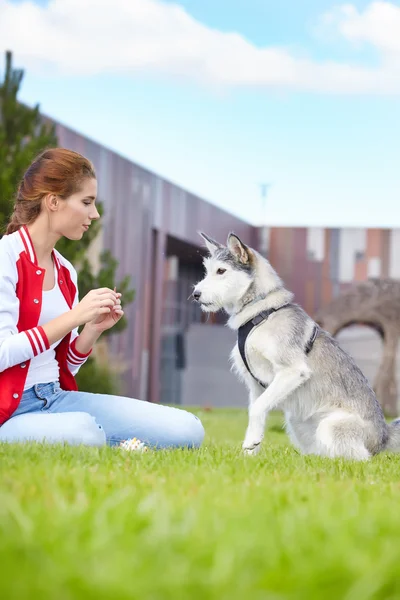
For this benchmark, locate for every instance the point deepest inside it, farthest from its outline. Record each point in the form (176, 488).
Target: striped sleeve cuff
(74, 357)
(38, 340)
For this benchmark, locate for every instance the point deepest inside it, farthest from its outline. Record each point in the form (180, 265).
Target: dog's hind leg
(342, 434)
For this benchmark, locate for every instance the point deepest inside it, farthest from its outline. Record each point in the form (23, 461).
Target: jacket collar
(27, 241)
(30, 249)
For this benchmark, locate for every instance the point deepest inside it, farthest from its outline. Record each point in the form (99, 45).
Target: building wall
(317, 263)
(144, 213)
(140, 211)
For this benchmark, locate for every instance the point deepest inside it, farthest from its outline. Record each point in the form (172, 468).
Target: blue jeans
(49, 414)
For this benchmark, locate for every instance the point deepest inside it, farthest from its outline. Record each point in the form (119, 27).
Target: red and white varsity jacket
(21, 339)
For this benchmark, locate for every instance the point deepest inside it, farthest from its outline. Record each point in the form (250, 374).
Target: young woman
(40, 349)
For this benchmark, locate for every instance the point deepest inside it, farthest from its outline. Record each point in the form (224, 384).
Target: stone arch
(375, 303)
(376, 326)
(364, 341)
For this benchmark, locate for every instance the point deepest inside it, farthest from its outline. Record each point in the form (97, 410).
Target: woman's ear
(51, 202)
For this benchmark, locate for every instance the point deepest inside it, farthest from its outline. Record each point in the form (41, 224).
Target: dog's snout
(196, 294)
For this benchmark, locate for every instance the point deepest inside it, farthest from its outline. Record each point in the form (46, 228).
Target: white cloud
(378, 25)
(87, 37)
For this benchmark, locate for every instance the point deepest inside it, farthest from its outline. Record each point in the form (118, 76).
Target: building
(151, 226)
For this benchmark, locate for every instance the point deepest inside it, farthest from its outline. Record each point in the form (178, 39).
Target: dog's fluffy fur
(330, 408)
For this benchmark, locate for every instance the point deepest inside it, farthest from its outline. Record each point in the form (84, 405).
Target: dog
(289, 363)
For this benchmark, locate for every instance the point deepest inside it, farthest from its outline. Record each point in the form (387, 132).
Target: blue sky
(304, 96)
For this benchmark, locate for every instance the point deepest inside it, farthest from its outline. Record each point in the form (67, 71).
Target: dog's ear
(211, 244)
(239, 250)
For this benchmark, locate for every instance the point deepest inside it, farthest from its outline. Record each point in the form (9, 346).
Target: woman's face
(75, 213)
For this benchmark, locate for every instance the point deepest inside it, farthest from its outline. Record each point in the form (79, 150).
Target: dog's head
(229, 274)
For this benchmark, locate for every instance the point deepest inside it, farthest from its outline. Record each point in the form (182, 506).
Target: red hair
(55, 171)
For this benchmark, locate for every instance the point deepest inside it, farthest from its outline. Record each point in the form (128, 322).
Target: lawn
(82, 523)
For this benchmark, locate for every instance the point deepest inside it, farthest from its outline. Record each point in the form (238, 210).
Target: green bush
(96, 378)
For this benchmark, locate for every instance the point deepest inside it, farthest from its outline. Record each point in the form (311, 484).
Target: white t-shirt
(44, 368)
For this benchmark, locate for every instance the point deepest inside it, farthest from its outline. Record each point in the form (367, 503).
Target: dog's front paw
(251, 451)
(251, 448)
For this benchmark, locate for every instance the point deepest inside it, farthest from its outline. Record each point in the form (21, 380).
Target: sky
(221, 96)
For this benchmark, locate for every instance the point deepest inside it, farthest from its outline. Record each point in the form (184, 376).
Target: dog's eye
(221, 271)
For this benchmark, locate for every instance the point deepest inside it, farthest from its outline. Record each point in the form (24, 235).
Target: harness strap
(312, 339)
(245, 330)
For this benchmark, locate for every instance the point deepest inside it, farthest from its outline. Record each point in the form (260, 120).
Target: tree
(24, 133)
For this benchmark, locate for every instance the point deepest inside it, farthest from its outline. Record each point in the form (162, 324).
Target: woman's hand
(97, 306)
(105, 321)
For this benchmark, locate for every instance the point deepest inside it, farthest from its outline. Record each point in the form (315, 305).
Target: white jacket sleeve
(15, 347)
(74, 358)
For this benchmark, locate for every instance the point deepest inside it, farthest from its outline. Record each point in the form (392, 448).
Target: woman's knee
(73, 428)
(191, 431)
(88, 432)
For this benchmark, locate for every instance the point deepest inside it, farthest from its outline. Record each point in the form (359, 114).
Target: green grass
(82, 523)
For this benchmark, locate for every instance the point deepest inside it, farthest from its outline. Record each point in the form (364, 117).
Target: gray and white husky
(292, 365)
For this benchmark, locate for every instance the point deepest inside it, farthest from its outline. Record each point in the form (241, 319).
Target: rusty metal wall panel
(360, 270)
(374, 242)
(385, 249)
(281, 251)
(299, 264)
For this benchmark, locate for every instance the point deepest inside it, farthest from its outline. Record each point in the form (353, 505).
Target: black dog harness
(245, 329)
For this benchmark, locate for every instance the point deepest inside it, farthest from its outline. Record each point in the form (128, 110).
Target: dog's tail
(393, 443)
